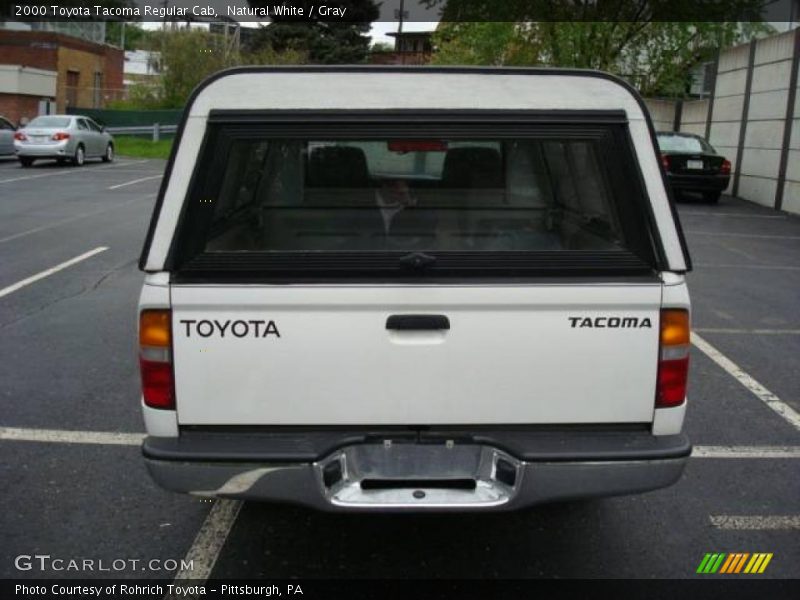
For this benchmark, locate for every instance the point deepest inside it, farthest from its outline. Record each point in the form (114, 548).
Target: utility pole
(400, 16)
(165, 3)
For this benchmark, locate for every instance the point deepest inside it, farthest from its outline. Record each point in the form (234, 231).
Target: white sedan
(72, 138)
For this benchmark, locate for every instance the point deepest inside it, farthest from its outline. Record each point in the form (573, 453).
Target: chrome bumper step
(407, 475)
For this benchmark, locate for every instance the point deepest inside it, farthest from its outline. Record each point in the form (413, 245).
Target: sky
(377, 32)
(381, 28)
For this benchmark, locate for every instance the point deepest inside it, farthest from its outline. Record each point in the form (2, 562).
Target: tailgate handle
(417, 322)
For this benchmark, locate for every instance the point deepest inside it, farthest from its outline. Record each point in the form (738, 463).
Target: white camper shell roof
(407, 88)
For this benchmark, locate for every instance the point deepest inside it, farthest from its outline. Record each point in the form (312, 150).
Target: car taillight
(404, 146)
(665, 162)
(20, 137)
(673, 364)
(725, 169)
(155, 358)
(59, 136)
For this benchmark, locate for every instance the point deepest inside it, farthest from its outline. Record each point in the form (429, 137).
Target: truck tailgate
(320, 354)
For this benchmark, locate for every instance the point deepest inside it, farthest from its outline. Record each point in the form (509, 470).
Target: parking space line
(771, 400)
(68, 171)
(748, 331)
(743, 235)
(742, 215)
(62, 436)
(60, 267)
(24, 434)
(127, 183)
(750, 523)
(746, 452)
(746, 266)
(209, 541)
(71, 219)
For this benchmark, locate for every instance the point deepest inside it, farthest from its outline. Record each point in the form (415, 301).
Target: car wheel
(80, 156)
(712, 197)
(25, 161)
(109, 155)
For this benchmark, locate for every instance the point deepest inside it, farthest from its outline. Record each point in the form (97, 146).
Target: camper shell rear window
(289, 196)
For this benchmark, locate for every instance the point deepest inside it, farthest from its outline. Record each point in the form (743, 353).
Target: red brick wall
(60, 53)
(15, 106)
(28, 51)
(115, 62)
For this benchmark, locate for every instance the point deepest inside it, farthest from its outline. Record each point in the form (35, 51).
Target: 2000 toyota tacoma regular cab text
(414, 289)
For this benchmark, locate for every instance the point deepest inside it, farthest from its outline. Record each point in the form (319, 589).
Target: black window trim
(606, 128)
(521, 71)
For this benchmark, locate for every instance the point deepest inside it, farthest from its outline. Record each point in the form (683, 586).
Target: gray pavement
(68, 351)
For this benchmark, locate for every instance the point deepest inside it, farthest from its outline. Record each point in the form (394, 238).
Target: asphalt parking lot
(75, 486)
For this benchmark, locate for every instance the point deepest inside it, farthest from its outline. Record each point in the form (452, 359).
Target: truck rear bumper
(488, 471)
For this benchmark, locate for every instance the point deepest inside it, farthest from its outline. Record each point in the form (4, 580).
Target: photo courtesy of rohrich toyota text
(390, 299)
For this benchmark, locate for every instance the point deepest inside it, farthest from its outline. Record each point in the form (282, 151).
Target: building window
(98, 89)
(73, 78)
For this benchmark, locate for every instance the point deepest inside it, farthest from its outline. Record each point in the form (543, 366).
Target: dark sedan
(692, 165)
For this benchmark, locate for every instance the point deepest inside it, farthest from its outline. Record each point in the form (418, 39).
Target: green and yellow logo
(734, 563)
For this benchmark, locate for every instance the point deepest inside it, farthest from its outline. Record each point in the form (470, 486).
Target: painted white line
(744, 235)
(70, 171)
(71, 219)
(34, 278)
(127, 183)
(746, 266)
(25, 434)
(205, 549)
(746, 452)
(755, 522)
(748, 331)
(22, 434)
(742, 215)
(762, 393)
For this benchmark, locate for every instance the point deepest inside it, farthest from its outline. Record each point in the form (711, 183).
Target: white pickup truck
(386, 288)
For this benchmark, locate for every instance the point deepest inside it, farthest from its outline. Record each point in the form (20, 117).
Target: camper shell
(412, 288)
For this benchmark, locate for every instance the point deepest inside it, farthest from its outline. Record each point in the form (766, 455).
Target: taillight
(60, 135)
(155, 358)
(417, 146)
(673, 364)
(725, 169)
(665, 162)
(20, 137)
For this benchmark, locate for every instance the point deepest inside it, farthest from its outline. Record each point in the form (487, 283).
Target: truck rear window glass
(302, 198)
(322, 195)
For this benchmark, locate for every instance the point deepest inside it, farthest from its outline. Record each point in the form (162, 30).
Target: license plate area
(419, 475)
(694, 165)
(415, 484)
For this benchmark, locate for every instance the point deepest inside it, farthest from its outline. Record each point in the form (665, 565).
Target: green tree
(381, 47)
(323, 40)
(630, 38)
(136, 38)
(656, 57)
(189, 56)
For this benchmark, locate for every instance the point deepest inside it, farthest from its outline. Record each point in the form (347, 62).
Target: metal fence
(130, 118)
(156, 130)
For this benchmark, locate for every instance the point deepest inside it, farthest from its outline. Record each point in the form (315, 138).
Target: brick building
(87, 74)
(26, 92)
(410, 48)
